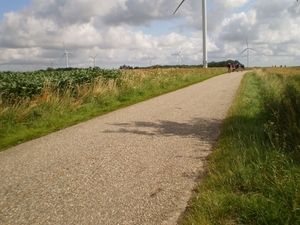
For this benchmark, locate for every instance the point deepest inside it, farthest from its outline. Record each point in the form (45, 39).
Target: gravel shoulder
(137, 165)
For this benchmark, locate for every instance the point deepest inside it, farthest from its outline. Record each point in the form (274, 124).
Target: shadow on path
(202, 129)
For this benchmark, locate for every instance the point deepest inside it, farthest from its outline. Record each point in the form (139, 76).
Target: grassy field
(36, 104)
(253, 177)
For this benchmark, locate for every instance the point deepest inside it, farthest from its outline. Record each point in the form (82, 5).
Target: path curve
(136, 165)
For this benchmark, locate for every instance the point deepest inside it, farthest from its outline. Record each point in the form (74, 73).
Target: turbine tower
(66, 54)
(94, 59)
(204, 28)
(247, 49)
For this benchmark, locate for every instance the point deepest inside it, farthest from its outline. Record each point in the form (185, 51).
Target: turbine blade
(179, 51)
(253, 49)
(62, 56)
(227, 57)
(247, 41)
(244, 51)
(178, 7)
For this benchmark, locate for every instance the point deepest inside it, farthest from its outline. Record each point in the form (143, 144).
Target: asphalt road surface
(136, 165)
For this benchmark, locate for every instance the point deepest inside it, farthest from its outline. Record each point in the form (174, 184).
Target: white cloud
(33, 37)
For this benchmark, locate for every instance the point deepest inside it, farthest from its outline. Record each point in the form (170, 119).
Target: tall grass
(24, 118)
(253, 177)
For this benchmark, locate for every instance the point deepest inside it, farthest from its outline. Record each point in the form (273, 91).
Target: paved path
(136, 165)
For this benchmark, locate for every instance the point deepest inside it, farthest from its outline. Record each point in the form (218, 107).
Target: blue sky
(12, 5)
(130, 31)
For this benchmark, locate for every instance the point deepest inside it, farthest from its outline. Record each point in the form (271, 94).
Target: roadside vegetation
(34, 104)
(253, 176)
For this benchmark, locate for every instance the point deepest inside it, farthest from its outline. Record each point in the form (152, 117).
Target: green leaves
(28, 84)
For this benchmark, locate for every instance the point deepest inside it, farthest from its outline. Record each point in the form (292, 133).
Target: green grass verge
(253, 177)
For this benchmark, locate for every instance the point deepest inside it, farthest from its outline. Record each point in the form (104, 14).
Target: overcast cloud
(135, 32)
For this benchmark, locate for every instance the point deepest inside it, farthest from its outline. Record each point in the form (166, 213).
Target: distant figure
(229, 67)
(237, 66)
(243, 67)
(232, 67)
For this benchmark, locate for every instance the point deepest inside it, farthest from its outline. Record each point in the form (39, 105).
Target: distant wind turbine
(66, 54)
(52, 62)
(179, 56)
(151, 60)
(94, 59)
(204, 28)
(248, 55)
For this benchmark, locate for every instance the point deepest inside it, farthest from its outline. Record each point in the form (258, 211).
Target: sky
(34, 34)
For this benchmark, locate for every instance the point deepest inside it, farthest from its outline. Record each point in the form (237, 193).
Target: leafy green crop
(28, 84)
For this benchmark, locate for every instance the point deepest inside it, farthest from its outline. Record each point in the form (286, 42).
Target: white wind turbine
(66, 54)
(52, 62)
(247, 49)
(204, 28)
(151, 60)
(94, 59)
(179, 56)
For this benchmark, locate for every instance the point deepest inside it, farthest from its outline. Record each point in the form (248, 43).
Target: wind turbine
(179, 56)
(247, 49)
(151, 59)
(204, 28)
(94, 59)
(52, 62)
(66, 54)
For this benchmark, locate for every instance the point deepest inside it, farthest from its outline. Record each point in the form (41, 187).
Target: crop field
(30, 84)
(33, 104)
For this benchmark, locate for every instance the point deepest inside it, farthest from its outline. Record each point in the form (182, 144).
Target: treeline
(70, 68)
(223, 63)
(210, 64)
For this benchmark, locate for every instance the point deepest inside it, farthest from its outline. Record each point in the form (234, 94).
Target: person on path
(232, 67)
(243, 67)
(237, 66)
(229, 67)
